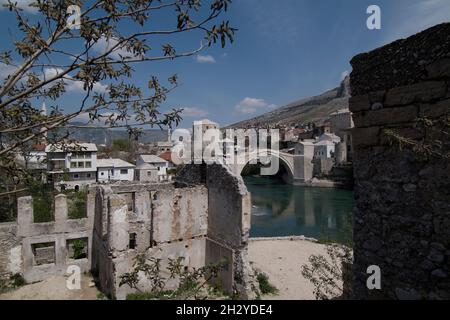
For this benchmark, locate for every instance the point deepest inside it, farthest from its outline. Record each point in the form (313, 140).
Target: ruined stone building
(402, 176)
(191, 218)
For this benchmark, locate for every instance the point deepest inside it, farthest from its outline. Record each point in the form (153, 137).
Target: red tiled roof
(166, 156)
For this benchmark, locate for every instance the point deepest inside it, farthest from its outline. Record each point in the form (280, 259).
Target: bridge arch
(286, 160)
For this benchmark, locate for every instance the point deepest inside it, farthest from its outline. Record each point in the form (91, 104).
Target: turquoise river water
(279, 209)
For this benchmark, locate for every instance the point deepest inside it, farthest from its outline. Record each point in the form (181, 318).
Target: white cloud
(194, 112)
(205, 59)
(252, 105)
(104, 44)
(344, 74)
(73, 85)
(22, 4)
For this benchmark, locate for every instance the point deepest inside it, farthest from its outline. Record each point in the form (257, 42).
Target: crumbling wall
(229, 214)
(10, 251)
(402, 218)
(46, 246)
(203, 217)
(162, 222)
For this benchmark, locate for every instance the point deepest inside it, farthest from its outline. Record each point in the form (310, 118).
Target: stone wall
(402, 218)
(164, 221)
(40, 250)
(43, 242)
(10, 251)
(191, 219)
(229, 215)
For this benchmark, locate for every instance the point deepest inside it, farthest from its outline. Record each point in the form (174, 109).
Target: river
(280, 209)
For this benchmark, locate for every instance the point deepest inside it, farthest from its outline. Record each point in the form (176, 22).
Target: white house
(114, 170)
(324, 149)
(147, 173)
(72, 166)
(160, 164)
(330, 137)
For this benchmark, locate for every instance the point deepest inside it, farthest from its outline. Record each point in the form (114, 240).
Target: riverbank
(281, 259)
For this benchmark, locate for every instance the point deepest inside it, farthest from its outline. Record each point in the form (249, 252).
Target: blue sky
(284, 50)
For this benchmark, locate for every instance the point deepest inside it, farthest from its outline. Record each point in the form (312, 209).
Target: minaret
(169, 133)
(44, 114)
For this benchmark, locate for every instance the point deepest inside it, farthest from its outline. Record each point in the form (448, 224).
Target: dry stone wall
(402, 179)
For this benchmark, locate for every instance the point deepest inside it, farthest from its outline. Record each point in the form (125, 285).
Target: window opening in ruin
(77, 248)
(132, 242)
(130, 199)
(43, 253)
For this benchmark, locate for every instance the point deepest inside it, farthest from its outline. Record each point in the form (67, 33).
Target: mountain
(314, 109)
(104, 135)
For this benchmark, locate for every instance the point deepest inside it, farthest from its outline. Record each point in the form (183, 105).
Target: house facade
(155, 164)
(72, 166)
(114, 170)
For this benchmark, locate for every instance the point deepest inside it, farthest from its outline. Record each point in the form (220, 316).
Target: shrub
(264, 285)
(77, 204)
(79, 248)
(327, 274)
(192, 284)
(17, 280)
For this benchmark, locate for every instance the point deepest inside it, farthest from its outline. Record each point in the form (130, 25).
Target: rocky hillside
(102, 135)
(313, 109)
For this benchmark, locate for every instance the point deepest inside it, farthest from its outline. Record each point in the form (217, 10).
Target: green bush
(264, 285)
(43, 197)
(79, 248)
(77, 204)
(17, 280)
(193, 283)
(121, 145)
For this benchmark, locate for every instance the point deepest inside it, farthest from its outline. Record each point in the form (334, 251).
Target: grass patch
(77, 204)
(264, 285)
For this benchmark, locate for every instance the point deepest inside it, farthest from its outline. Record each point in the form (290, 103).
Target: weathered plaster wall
(58, 232)
(229, 214)
(194, 218)
(167, 222)
(402, 219)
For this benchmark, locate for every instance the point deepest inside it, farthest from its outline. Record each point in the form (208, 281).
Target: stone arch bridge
(299, 167)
